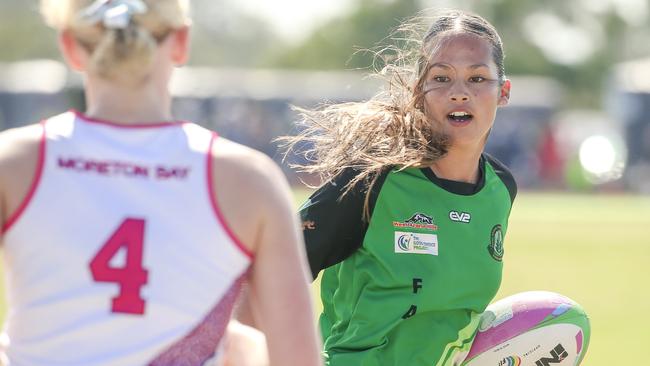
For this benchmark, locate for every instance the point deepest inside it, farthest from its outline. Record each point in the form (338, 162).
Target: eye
(440, 79)
(477, 79)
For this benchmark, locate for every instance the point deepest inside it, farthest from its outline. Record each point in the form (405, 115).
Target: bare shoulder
(19, 149)
(248, 168)
(250, 189)
(19, 143)
(19, 153)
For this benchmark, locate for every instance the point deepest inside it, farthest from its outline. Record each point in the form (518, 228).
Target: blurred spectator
(629, 102)
(551, 161)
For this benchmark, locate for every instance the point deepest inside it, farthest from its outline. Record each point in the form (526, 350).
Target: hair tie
(113, 14)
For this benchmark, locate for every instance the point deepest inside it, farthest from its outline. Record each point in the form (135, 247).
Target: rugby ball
(536, 328)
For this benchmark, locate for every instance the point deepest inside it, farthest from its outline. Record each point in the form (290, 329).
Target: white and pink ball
(535, 328)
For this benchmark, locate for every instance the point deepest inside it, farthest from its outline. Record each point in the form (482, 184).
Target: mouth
(459, 117)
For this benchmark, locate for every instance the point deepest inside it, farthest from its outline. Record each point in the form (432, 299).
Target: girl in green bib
(409, 226)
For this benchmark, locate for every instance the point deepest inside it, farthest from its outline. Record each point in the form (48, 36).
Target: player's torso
(429, 264)
(118, 254)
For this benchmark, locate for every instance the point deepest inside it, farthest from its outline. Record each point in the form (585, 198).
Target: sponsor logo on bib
(464, 217)
(417, 221)
(416, 243)
(496, 243)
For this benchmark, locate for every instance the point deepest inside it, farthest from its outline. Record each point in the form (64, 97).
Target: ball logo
(510, 361)
(496, 243)
(558, 354)
(404, 242)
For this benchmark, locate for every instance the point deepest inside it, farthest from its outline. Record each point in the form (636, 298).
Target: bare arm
(257, 203)
(19, 149)
(244, 346)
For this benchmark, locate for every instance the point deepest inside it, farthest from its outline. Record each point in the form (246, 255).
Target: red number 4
(130, 236)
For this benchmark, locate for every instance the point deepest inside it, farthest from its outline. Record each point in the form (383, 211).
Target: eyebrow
(478, 66)
(444, 66)
(440, 65)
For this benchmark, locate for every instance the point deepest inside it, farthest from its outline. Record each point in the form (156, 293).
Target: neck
(145, 103)
(458, 166)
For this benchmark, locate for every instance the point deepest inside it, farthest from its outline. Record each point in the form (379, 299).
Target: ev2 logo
(557, 355)
(463, 217)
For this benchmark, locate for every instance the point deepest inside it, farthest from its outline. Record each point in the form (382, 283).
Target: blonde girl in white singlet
(127, 234)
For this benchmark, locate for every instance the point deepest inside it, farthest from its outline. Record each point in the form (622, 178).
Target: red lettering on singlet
(171, 172)
(111, 168)
(104, 168)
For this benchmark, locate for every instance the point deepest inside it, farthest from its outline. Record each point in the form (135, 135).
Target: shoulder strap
(333, 223)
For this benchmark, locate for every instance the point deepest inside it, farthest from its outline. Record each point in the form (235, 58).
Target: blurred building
(32, 90)
(253, 107)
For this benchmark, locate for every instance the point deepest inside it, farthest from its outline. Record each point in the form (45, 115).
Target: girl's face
(462, 91)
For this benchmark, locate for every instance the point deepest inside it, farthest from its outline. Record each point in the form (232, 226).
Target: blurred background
(576, 134)
(580, 69)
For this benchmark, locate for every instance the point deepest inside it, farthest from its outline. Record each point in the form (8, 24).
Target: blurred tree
(335, 44)
(574, 41)
(23, 34)
(560, 39)
(222, 35)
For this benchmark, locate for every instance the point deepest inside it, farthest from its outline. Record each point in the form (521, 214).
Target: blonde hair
(122, 55)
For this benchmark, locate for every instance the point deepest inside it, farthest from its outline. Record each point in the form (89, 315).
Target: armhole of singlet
(215, 204)
(505, 175)
(34, 184)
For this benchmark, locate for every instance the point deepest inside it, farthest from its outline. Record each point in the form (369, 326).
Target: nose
(458, 93)
(459, 96)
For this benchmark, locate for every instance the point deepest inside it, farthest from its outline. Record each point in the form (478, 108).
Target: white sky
(295, 19)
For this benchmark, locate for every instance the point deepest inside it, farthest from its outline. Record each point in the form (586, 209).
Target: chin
(466, 144)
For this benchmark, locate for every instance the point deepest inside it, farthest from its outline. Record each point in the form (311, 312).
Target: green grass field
(594, 249)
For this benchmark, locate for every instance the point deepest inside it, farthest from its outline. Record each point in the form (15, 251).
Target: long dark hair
(390, 129)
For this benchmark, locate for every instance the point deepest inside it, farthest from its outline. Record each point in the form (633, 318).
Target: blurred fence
(253, 107)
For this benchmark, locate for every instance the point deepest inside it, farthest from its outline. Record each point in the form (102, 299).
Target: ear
(504, 93)
(75, 55)
(181, 45)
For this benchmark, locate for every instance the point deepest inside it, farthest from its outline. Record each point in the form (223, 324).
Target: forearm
(291, 332)
(243, 311)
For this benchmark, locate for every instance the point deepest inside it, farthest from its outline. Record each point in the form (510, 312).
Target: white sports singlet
(119, 255)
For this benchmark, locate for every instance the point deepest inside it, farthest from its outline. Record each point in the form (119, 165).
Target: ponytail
(124, 55)
(121, 36)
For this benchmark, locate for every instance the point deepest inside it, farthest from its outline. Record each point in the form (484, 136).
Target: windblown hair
(392, 128)
(121, 55)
